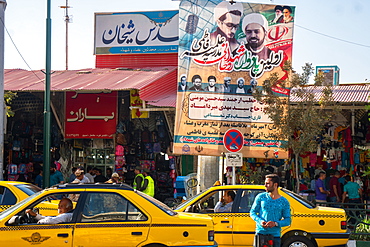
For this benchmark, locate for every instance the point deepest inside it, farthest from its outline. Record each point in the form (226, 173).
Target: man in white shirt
(80, 177)
(90, 174)
(64, 207)
(226, 203)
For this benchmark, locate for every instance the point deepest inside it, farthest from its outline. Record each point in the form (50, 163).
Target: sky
(327, 32)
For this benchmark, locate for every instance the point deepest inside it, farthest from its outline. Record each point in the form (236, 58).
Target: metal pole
(66, 7)
(67, 21)
(47, 100)
(2, 110)
(234, 175)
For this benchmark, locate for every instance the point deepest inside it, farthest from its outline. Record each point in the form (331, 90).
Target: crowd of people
(142, 181)
(334, 188)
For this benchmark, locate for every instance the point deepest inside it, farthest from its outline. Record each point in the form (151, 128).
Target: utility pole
(47, 118)
(67, 20)
(2, 108)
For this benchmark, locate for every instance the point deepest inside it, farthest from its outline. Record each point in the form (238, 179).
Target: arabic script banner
(90, 115)
(137, 32)
(226, 51)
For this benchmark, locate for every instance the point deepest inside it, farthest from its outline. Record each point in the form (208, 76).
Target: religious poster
(91, 115)
(147, 32)
(226, 51)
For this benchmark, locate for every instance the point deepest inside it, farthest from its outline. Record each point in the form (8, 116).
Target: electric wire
(307, 29)
(332, 37)
(15, 46)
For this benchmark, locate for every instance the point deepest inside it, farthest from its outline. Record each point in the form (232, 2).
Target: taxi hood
(329, 209)
(193, 216)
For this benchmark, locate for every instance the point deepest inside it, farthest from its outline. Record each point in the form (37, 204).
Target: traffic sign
(234, 159)
(233, 140)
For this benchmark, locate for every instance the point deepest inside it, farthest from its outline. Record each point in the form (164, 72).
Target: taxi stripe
(330, 235)
(319, 215)
(293, 215)
(223, 232)
(35, 227)
(3, 207)
(92, 225)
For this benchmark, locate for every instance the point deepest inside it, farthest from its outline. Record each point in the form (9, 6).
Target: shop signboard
(234, 159)
(90, 115)
(136, 103)
(226, 51)
(136, 32)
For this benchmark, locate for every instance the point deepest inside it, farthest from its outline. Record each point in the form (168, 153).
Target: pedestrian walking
(270, 211)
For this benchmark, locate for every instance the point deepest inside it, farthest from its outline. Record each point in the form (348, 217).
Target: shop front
(100, 121)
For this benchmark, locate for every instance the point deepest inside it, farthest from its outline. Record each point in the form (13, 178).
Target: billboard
(90, 115)
(136, 32)
(226, 51)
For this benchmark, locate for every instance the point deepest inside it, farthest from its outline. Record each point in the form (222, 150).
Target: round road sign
(233, 140)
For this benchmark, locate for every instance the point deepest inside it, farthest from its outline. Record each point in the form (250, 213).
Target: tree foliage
(301, 121)
(8, 98)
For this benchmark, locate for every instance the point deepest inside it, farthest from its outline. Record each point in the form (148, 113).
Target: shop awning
(341, 94)
(157, 85)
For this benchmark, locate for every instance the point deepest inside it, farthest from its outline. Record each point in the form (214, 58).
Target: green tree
(8, 98)
(300, 118)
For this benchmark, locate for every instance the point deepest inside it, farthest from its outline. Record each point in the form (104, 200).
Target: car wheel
(297, 241)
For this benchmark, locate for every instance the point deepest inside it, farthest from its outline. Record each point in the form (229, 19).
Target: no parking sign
(233, 140)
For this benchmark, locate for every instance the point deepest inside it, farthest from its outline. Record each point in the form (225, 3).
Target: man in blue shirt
(321, 192)
(354, 192)
(226, 203)
(270, 210)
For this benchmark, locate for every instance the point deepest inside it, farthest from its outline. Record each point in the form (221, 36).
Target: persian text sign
(225, 107)
(234, 159)
(226, 51)
(136, 32)
(90, 115)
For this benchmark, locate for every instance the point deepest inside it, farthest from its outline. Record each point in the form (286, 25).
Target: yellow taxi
(105, 215)
(311, 226)
(12, 192)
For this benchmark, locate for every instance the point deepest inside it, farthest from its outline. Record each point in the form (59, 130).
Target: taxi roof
(238, 186)
(13, 182)
(92, 186)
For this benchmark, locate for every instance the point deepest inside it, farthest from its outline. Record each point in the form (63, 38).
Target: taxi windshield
(29, 189)
(15, 207)
(189, 199)
(299, 198)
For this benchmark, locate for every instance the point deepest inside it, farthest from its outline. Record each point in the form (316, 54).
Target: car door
(7, 198)
(223, 221)
(244, 226)
(30, 233)
(107, 217)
